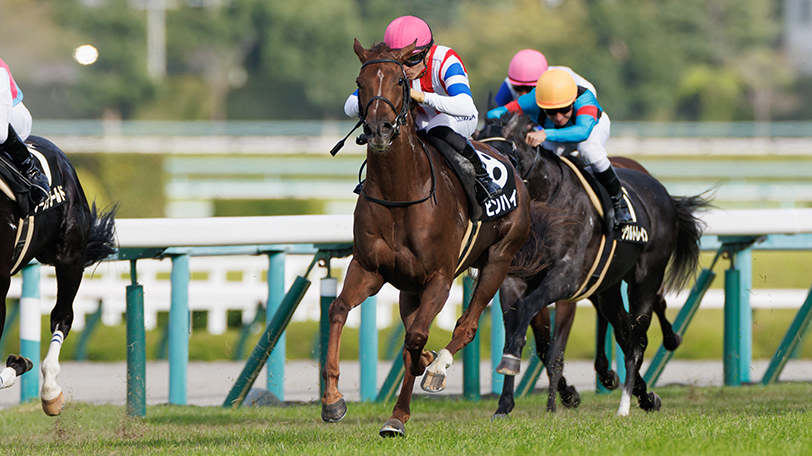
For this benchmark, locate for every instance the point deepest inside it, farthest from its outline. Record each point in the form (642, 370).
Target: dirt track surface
(210, 382)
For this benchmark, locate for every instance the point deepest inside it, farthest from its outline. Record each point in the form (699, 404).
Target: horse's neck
(545, 179)
(402, 171)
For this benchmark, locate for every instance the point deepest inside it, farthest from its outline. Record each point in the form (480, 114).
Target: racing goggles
(553, 112)
(416, 58)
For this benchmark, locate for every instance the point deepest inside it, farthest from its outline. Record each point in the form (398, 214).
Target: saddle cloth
(16, 187)
(500, 170)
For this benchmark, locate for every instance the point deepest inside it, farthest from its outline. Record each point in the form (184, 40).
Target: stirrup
(622, 214)
(489, 187)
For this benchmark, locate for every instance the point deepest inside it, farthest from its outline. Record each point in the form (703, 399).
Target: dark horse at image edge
(70, 237)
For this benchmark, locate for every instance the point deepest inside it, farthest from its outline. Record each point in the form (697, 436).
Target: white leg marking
(625, 403)
(441, 363)
(7, 377)
(50, 368)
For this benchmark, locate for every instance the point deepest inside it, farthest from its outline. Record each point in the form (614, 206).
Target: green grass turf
(773, 420)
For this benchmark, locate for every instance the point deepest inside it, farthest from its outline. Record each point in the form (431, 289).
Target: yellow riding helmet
(555, 89)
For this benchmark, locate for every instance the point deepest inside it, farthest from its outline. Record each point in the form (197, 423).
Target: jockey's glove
(418, 96)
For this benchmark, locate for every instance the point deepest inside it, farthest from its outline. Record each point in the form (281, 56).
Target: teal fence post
(179, 329)
(791, 340)
(368, 349)
(732, 374)
(136, 348)
(744, 263)
(686, 314)
(470, 354)
(393, 379)
(267, 342)
(30, 330)
(276, 292)
(497, 343)
(328, 293)
(80, 353)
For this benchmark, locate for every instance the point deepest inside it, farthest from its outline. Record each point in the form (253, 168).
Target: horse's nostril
(367, 130)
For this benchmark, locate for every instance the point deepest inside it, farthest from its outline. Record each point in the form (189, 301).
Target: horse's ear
(359, 51)
(405, 53)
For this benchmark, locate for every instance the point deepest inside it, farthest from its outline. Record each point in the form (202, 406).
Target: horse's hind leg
(564, 318)
(671, 340)
(608, 377)
(68, 278)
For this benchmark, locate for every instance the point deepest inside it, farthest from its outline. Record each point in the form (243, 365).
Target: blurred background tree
(274, 59)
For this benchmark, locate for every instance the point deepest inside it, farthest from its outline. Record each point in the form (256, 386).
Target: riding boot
(24, 162)
(610, 182)
(483, 178)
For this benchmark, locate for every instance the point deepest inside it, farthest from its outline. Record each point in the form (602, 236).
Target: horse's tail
(530, 259)
(102, 240)
(685, 258)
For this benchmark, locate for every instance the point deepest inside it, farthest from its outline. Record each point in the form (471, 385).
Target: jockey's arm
(351, 105)
(6, 104)
(459, 101)
(586, 117)
(524, 104)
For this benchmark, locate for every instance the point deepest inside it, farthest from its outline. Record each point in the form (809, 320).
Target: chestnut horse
(71, 237)
(573, 238)
(409, 223)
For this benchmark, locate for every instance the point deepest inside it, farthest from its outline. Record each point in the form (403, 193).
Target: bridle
(404, 110)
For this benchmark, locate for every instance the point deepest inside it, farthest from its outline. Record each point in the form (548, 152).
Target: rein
(400, 203)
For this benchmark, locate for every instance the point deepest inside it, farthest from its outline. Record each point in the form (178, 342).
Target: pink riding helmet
(526, 67)
(404, 30)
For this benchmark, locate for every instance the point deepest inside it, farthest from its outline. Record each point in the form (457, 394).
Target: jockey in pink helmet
(523, 72)
(15, 126)
(439, 84)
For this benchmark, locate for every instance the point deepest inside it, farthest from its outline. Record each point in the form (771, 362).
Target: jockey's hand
(535, 138)
(418, 96)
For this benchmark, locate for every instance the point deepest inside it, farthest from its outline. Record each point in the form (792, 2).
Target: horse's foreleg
(490, 279)
(358, 286)
(417, 321)
(395, 426)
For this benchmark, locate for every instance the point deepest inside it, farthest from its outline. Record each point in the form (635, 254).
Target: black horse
(545, 335)
(69, 235)
(573, 236)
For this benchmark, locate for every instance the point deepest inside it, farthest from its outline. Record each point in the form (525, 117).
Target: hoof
(433, 382)
(571, 398)
(500, 417)
(393, 428)
(510, 365)
(335, 412)
(54, 406)
(20, 364)
(654, 403)
(671, 343)
(610, 381)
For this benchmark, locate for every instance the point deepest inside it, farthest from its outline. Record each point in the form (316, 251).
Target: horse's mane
(515, 129)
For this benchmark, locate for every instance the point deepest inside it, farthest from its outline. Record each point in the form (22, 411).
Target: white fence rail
(220, 284)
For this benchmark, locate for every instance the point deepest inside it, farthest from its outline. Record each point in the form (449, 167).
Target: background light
(85, 54)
